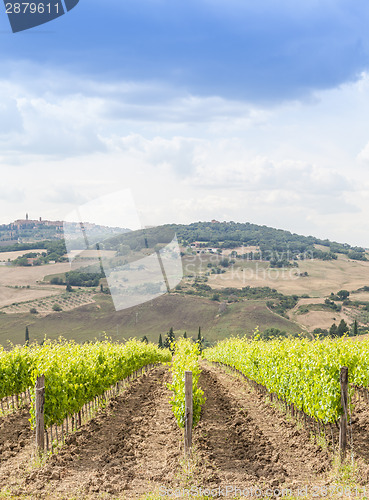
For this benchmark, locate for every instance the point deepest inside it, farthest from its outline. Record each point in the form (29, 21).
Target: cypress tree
(185, 335)
(199, 339)
(160, 344)
(355, 328)
(169, 339)
(27, 336)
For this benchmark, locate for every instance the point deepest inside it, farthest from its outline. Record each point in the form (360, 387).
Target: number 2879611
(32, 8)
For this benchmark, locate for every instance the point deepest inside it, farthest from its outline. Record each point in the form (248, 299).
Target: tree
(160, 344)
(199, 339)
(343, 294)
(333, 330)
(185, 335)
(342, 328)
(56, 307)
(101, 288)
(145, 339)
(271, 333)
(354, 330)
(169, 339)
(68, 288)
(27, 336)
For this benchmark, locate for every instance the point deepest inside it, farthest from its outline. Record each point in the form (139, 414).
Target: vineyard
(113, 416)
(300, 372)
(47, 305)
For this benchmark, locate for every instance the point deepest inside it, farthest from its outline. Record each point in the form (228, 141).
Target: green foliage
(321, 332)
(352, 254)
(199, 340)
(21, 261)
(333, 331)
(57, 281)
(56, 307)
(354, 330)
(272, 333)
(343, 294)
(55, 250)
(169, 340)
(74, 373)
(81, 278)
(305, 373)
(342, 328)
(332, 305)
(275, 244)
(186, 359)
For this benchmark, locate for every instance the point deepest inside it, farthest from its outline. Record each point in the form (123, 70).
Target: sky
(208, 109)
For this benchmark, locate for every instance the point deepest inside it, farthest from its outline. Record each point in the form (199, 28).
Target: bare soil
(134, 446)
(250, 443)
(27, 276)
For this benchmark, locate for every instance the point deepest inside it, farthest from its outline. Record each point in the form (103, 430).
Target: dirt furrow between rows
(130, 448)
(134, 446)
(16, 448)
(250, 443)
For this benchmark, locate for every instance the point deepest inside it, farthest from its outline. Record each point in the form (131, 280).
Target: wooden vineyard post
(188, 412)
(343, 420)
(40, 421)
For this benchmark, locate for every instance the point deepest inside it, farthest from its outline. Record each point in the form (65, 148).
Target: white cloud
(64, 141)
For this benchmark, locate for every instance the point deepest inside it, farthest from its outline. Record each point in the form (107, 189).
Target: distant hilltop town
(30, 230)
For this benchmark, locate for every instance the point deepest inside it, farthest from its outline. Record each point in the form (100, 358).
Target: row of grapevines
(15, 370)
(74, 374)
(305, 373)
(186, 358)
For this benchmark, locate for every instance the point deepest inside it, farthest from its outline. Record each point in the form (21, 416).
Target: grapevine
(301, 372)
(74, 374)
(186, 358)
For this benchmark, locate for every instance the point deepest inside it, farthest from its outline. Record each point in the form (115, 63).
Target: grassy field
(323, 277)
(183, 313)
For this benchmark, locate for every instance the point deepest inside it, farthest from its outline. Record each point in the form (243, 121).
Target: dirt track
(134, 446)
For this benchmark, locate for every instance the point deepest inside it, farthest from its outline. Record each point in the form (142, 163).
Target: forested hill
(270, 241)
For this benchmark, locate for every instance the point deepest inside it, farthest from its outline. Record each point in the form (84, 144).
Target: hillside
(236, 277)
(183, 313)
(275, 245)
